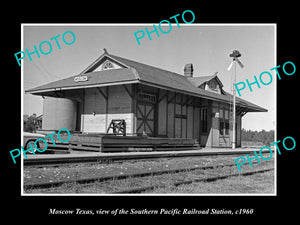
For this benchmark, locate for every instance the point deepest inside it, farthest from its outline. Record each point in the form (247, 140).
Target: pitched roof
(136, 72)
(157, 76)
(98, 78)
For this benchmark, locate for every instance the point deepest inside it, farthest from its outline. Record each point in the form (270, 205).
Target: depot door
(146, 118)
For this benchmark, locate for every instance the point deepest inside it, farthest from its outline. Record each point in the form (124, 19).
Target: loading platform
(115, 143)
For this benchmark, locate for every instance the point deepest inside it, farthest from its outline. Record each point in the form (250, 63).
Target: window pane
(226, 114)
(221, 113)
(221, 127)
(204, 113)
(227, 128)
(203, 117)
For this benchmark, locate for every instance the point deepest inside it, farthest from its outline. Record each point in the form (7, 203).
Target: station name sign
(80, 78)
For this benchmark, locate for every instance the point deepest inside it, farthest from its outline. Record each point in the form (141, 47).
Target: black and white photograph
(149, 109)
(138, 112)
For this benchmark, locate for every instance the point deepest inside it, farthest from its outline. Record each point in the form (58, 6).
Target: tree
(29, 123)
(265, 137)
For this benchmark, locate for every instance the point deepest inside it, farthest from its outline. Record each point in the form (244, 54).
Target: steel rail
(208, 179)
(120, 177)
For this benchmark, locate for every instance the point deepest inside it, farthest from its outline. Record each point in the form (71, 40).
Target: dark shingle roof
(197, 81)
(94, 78)
(142, 73)
(156, 75)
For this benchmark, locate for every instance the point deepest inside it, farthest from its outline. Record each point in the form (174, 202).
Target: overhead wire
(40, 67)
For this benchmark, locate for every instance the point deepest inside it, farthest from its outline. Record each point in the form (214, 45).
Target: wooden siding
(101, 105)
(170, 119)
(178, 116)
(162, 113)
(94, 101)
(218, 113)
(175, 115)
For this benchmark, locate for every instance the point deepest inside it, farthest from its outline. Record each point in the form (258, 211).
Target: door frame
(144, 119)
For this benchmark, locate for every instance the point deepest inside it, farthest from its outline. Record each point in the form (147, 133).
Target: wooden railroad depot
(160, 109)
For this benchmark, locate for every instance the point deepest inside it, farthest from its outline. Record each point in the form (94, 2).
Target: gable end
(102, 64)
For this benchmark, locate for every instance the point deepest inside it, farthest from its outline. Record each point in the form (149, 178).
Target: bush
(266, 137)
(29, 123)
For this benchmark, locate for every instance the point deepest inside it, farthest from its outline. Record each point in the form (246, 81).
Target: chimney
(188, 70)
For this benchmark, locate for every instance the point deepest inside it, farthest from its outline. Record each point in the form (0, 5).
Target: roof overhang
(242, 104)
(134, 72)
(41, 91)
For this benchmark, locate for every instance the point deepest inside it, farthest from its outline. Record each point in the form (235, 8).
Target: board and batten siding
(101, 105)
(221, 112)
(178, 116)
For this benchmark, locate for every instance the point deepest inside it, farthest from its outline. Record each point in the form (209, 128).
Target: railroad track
(144, 174)
(207, 179)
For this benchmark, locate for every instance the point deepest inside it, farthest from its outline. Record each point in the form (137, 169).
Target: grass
(262, 183)
(70, 172)
(258, 183)
(252, 143)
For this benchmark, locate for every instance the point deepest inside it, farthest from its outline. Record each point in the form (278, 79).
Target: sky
(206, 46)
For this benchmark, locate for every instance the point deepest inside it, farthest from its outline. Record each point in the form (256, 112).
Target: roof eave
(41, 91)
(253, 109)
